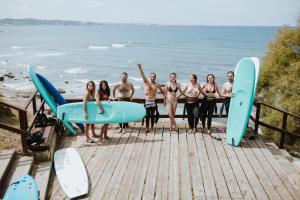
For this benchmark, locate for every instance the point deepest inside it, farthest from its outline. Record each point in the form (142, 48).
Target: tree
(280, 79)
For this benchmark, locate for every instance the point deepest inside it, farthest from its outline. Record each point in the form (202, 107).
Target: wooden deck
(161, 165)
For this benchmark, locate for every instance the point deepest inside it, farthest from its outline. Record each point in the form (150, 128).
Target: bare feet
(208, 131)
(147, 130)
(190, 131)
(89, 140)
(96, 136)
(120, 130)
(194, 131)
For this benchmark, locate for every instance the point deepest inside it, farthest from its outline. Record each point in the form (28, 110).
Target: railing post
(34, 105)
(23, 126)
(257, 115)
(283, 127)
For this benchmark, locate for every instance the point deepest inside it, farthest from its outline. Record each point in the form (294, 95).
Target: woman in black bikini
(210, 89)
(103, 95)
(171, 89)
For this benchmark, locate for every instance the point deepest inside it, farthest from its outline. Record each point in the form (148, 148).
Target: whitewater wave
(135, 79)
(7, 55)
(41, 67)
(98, 47)
(50, 54)
(17, 47)
(19, 86)
(118, 45)
(75, 71)
(22, 65)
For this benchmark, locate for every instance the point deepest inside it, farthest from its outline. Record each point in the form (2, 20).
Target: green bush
(280, 80)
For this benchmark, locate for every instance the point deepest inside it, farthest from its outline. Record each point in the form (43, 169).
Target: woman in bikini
(210, 89)
(192, 102)
(103, 95)
(90, 96)
(171, 89)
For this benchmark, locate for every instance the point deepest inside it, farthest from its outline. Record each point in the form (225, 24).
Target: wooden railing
(283, 130)
(25, 127)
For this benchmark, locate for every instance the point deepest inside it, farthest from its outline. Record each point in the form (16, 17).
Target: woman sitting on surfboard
(103, 95)
(89, 96)
(171, 89)
(192, 102)
(210, 89)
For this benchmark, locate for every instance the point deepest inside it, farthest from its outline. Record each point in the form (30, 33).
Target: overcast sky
(175, 12)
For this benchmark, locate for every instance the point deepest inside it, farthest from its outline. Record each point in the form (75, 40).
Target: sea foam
(75, 71)
(118, 45)
(98, 47)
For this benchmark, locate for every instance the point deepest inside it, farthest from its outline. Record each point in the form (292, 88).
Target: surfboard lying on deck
(58, 98)
(23, 188)
(114, 112)
(48, 98)
(242, 101)
(71, 173)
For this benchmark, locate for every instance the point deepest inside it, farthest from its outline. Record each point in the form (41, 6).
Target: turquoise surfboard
(242, 101)
(48, 98)
(114, 112)
(24, 188)
(257, 72)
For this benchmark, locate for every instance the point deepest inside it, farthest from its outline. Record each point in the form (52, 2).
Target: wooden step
(41, 173)
(6, 160)
(21, 166)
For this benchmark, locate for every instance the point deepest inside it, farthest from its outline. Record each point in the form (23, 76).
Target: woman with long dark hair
(192, 102)
(210, 89)
(103, 95)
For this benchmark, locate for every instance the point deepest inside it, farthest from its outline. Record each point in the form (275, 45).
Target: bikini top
(192, 89)
(170, 89)
(103, 97)
(213, 91)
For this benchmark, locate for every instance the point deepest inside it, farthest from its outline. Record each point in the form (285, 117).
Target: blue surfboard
(24, 188)
(58, 98)
(242, 101)
(114, 112)
(48, 98)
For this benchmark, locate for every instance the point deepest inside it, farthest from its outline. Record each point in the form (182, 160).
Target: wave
(98, 47)
(123, 66)
(137, 87)
(75, 71)
(17, 47)
(7, 55)
(118, 45)
(22, 65)
(82, 80)
(50, 54)
(19, 86)
(41, 67)
(135, 79)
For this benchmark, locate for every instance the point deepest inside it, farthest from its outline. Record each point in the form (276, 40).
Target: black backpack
(35, 138)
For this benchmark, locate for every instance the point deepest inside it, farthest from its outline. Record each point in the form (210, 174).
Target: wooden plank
(100, 187)
(161, 191)
(273, 176)
(42, 177)
(173, 190)
(227, 169)
(102, 156)
(217, 172)
(6, 160)
(151, 177)
(185, 173)
(131, 168)
(208, 179)
(260, 172)
(21, 166)
(138, 182)
(112, 188)
(196, 174)
(284, 177)
(241, 178)
(250, 174)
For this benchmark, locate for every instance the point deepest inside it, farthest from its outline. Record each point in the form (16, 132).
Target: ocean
(69, 56)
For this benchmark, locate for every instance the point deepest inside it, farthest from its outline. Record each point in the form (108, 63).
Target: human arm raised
(146, 81)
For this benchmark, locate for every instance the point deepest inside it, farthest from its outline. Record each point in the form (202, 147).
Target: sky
(165, 12)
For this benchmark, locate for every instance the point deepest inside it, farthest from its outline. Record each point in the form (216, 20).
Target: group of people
(171, 92)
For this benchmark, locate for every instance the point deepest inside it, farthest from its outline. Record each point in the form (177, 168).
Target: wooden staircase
(13, 166)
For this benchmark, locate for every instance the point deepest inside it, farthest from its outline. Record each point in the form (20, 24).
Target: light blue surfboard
(257, 72)
(58, 98)
(114, 112)
(24, 188)
(48, 98)
(242, 101)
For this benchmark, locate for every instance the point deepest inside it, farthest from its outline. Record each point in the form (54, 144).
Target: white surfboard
(71, 173)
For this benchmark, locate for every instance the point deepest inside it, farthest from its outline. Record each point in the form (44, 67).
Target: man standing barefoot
(150, 89)
(125, 91)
